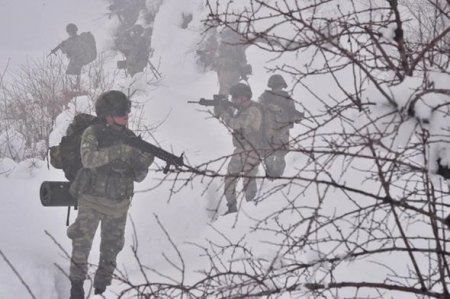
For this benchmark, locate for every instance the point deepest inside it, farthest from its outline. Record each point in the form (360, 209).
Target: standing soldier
(280, 115)
(246, 126)
(104, 187)
(71, 47)
(231, 62)
(79, 49)
(138, 54)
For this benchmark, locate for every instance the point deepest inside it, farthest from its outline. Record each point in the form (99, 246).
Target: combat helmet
(241, 89)
(276, 81)
(113, 102)
(71, 28)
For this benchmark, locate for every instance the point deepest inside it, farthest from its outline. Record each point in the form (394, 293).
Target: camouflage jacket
(281, 108)
(72, 48)
(109, 167)
(246, 124)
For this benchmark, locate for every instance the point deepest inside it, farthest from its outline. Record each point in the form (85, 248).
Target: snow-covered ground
(33, 238)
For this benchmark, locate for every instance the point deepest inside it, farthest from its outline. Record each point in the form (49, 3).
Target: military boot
(77, 291)
(231, 209)
(99, 291)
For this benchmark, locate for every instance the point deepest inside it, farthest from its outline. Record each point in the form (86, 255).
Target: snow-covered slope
(33, 238)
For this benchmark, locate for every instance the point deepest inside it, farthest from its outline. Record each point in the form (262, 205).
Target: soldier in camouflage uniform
(231, 62)
(72, 48)
(246, 126)
(104, 187)
(280, 115)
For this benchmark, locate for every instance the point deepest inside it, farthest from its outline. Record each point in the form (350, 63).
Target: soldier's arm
(92, 156)
(251, 118)
(140, 164)
(294, 115)
(262, 98)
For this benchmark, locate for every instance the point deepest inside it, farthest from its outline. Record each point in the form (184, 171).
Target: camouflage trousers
(275, 163)
(245, 165)
(274, 157)
(82, 233)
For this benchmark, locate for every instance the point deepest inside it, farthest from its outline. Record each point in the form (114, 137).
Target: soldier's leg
(275, 164)
(82, 233)
(280, 160)
(112, 241)
(234, 169)
(269, 161)
(251, 165)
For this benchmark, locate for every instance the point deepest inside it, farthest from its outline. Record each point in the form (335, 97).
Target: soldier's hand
(299, 117)
(126, 151)
(146, 159)
(219, 110)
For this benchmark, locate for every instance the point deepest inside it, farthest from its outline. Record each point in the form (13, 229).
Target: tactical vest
(114, 180)
(106, 137)
(248, 138)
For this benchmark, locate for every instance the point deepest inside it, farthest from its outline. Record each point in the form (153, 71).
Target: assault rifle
(56, 194)
(218, 100)
(158, 152)
(55, 49)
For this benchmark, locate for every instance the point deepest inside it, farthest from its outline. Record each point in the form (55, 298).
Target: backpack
(66, 155)
(87, 47)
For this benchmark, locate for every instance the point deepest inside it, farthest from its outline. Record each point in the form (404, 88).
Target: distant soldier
(135, 45)
(246, 125)
(280, 116)
(79, 49)
(127, 10)
(103, 188)
(231, 62)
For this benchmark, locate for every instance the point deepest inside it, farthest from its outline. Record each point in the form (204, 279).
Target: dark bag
(443, 170)
(66, 155)
(87, 48)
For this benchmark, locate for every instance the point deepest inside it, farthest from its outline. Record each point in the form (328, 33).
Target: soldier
(71, 47)
(231, 62)
(104, 187)
(246, 126)
(79, 49)
(280, 115)
(139, 51)
(135, 45)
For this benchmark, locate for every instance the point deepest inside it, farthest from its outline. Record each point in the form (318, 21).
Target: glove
(140, 160)
(146, 159)
(126, 151)
(219, 110)
(299, 117)
(120, 151)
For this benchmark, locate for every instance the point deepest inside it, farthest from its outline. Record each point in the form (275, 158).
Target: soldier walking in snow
(135, 46)
(103, 188)
(231, 62)
(246, 125)
(280, 116)
(79, 49)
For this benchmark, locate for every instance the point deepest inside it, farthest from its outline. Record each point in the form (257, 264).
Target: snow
(34, 237)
